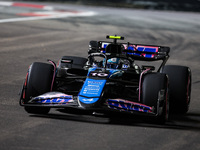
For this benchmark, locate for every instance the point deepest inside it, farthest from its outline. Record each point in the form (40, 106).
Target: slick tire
(179, 87)
(153, 84)
(39, 80)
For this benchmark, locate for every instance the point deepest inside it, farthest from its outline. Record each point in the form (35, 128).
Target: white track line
(28, 5)
(83, 14)
(49, 12)
(6, 3)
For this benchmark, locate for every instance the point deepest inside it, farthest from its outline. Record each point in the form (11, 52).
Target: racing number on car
(101, 74)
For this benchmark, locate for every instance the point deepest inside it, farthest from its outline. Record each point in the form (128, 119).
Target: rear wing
(135, 51)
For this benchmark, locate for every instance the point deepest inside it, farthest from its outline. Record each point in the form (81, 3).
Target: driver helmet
(114, 63)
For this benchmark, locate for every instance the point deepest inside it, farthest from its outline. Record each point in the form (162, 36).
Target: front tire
(154, 88)
(179, 87)
(39, 81)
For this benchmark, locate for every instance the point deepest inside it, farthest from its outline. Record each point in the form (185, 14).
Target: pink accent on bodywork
(53, 73)
(25, 83)
(141, 83)
(188, 89)
(166, 117)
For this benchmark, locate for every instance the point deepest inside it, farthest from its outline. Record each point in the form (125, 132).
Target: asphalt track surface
(26, 41)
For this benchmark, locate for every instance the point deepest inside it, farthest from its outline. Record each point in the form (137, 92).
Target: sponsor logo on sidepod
(88, 99)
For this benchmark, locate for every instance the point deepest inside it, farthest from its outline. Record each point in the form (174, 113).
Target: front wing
(61, 100)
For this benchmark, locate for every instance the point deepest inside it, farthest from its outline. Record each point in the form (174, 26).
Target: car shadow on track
(190, 121)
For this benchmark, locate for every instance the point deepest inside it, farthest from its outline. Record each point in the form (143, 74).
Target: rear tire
(179, 87)
(154, 87)
(38, 82)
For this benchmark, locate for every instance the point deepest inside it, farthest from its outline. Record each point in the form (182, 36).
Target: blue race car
(110, 81)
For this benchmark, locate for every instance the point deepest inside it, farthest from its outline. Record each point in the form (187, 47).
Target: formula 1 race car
(110, 80)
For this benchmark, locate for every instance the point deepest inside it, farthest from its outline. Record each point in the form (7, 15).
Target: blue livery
(91, 91)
